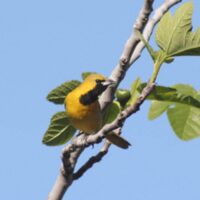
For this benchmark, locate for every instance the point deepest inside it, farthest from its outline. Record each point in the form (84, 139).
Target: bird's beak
(108, 82)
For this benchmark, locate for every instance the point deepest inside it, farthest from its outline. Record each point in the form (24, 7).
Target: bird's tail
(116, 139)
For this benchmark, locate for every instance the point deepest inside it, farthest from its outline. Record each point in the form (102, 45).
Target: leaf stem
(157, 66)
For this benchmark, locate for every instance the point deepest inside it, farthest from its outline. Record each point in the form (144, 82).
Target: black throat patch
(93, 94)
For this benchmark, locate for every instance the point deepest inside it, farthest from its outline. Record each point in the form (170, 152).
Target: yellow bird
(83, 108)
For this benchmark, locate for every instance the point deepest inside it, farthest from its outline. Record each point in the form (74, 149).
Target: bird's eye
(98, 81)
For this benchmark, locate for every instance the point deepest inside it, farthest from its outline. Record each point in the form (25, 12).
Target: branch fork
(130, 54)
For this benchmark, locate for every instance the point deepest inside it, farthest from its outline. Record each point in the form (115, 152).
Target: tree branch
(94, 159)
(69, 158)
(72, 152)
(126, 59)
(118, 122)
(131, 52)
(120, 70)
(150, 26)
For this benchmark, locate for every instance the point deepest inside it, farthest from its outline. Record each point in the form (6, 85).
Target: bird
(83, 107)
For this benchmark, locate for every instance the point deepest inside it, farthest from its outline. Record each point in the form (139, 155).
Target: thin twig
(94, 159)
(150, 26)
(118, 122)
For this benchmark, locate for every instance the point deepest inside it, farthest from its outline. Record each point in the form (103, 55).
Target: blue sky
(45, 43)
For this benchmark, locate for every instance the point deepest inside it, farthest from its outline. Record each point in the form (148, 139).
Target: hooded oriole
(83, 108)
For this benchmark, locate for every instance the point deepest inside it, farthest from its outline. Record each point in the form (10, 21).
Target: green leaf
(134, 92)
(84, 75)
(157, 108)
(160, 93)
(184, 118)
(111, 112)
(174, 34)
(157, 56)
(173, 95)
(187, 90)
(58, 94)
(59, 131)
(185, 121)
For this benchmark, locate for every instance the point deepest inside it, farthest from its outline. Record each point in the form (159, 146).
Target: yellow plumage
(83, 108)
(87, 118)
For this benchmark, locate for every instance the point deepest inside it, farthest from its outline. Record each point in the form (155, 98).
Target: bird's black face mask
(93, 94)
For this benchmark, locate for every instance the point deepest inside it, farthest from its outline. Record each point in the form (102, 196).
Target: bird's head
(93, 86)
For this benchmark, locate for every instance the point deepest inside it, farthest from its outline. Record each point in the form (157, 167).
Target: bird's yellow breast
(87, 118)
(84, 111)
